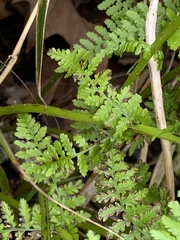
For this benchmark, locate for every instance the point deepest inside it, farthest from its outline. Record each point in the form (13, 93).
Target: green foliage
(121, 189)
(124, 31)
(51, 162)
(28, 220)
(126, 197)
(170, 225)
(92, 236)
(133, 208)
(171, 102)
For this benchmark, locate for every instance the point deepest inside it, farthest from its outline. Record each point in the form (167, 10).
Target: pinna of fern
(49, 164)
(29, 220)
(124, 29)
(170, 225)
(116, 110)
(134, 208)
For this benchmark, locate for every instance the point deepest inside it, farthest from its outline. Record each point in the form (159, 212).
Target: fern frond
(25, 213)
(51, 159)
(91, 236)
(8, 215)
(70, 62)
(26, 222)
(175, 5)
(114, 187)
(170, 224)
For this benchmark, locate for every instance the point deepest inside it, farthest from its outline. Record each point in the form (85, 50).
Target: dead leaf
(63, 19)
(3, 9)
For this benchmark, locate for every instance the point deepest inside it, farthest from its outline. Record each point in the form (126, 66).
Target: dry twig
(13, 57)
(157, 96)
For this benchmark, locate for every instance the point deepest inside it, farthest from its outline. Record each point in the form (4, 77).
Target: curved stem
(47, 110)
(83, 117)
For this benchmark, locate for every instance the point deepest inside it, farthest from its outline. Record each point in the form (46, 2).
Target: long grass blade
(40, 30)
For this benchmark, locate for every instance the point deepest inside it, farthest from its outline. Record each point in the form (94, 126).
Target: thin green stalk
(45, 219)
(164, 35)
(47, 110)
(7, 149)
(82, 117)
(50, 84)
(156, 133)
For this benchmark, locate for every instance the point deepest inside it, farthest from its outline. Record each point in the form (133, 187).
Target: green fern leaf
(111, 25)
(161, 235)
(174, 40)
(94, 64)
(175, 209)
(174, 5)
(70, 151)
(104, 213)
(29, 153)
(172, 226)
(83, 168)
(80, 141)
(87, 44)
(8, 215)
(59, 149)
(25, 214)
(70, 62)
(102, 31)
(119, 226)
(106, 4)
(72, 188)
(91, 236)
(138, 21)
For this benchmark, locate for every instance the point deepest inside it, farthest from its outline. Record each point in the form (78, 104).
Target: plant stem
(157, 95)
(84, 117)
(50, 84)
(13, 57)
(154, 132)
(47, 110)
(45, 220)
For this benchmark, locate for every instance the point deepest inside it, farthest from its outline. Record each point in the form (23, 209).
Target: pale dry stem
(13, 57)
(157, 96)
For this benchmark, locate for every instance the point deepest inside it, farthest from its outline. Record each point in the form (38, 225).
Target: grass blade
(40, 30)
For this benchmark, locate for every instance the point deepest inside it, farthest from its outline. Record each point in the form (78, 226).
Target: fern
(122, 192)
(51, 162)
(91, 236)
(27, 220)
(125, 29)
(170, 225)
(106, 41)
(127, 199)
